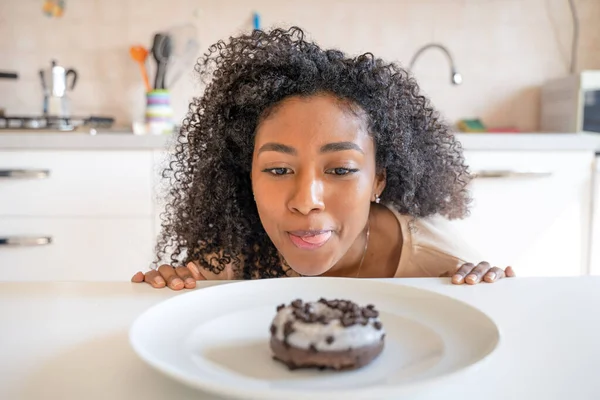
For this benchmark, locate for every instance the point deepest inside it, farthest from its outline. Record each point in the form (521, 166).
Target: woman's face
(314, 177)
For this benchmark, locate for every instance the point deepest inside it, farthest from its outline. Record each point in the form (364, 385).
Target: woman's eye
(278, 171)
(341, 171)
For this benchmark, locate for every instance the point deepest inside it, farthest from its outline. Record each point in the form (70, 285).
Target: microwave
(571, 104)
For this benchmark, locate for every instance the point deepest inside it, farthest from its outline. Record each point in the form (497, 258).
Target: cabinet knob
(24, 173)
(25, 241)
(509, 174)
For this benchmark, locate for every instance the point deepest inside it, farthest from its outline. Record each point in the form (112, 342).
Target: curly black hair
(211, 215)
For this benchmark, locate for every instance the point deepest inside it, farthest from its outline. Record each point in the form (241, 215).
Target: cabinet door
(160, 187)
(595, 247)
(81, 249)
(531, 210)
(75, 183)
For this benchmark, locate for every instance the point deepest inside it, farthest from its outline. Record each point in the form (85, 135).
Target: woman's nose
(307, 196)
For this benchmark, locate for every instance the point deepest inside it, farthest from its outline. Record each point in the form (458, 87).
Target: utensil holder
(159, 113)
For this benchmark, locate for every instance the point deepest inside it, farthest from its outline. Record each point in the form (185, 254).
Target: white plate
(216, 339)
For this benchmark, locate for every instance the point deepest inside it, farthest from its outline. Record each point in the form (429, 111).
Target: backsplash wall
(503, 48)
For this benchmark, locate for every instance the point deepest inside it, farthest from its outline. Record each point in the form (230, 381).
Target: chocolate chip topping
(300, 314)
(280, 307)
(273, 329)
(347, 320)
(329, 339)
(348, 312)
(288, 329)
(297, 303)
(312, 348)
(370, 313)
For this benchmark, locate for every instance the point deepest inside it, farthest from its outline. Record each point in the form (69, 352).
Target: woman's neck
(350, 264)
(382, 255)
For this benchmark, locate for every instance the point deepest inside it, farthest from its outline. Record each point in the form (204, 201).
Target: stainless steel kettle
(55, 85)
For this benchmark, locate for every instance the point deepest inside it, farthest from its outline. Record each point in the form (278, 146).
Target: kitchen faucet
(455, 77)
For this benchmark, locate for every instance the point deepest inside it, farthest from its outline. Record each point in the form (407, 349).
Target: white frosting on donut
(316, 333)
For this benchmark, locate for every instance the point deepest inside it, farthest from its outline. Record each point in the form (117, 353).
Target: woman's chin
(305, 269)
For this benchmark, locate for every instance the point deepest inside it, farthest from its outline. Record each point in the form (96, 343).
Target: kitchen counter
(530, 141)
(70, 341)
(29, 140)
(128, 141)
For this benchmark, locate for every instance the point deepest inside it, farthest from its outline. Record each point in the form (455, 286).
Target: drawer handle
(509, 174)
(24, 173)
(25, 241)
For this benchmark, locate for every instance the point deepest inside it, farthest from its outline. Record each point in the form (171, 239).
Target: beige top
(431, 247)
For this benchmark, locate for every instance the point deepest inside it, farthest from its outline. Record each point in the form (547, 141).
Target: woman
(299, 161)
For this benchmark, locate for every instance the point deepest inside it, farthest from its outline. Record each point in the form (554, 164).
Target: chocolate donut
(327, 334)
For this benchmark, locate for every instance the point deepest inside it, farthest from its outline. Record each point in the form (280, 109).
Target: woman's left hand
(473, 274)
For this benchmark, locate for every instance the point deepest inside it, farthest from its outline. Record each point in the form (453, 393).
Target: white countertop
(81, 141)
(69, 341)
(13, 140)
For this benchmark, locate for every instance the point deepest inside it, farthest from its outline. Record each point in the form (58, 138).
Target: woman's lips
(308, 240)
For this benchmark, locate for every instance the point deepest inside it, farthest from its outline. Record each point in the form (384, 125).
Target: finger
(169, 275)
(185, 274)
(493, 275)
(477, 273)
(459, 276)
(138, 277)
(193, 267)
(510, 272)
(154, 279)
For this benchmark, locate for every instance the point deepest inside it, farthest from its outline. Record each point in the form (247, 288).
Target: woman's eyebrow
(341, 146)
(328, 148)
(281, 148)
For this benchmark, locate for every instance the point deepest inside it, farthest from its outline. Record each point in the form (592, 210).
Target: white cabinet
(75, 215)
(84, 183)
(81, 249)
(160, 186)
(595, 246)
(531, 210)
(101, 209)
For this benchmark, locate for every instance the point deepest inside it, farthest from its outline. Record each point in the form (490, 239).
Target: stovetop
(53, 122)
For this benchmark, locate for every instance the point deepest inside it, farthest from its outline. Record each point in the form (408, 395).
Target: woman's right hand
(175, 278)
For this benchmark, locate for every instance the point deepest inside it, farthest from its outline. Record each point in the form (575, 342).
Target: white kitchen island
(69, 341)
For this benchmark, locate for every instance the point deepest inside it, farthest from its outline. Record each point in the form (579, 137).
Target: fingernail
(159, 281)
(471, 277)
(457, 278)
(492, 276)
(176, 282)
(189, 282)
